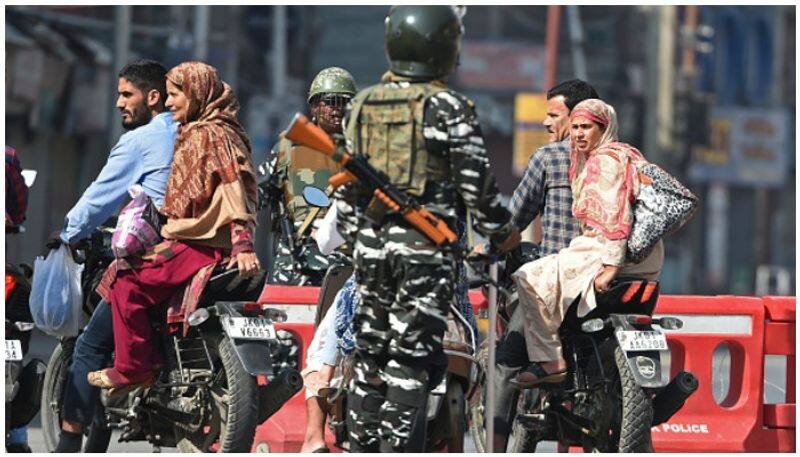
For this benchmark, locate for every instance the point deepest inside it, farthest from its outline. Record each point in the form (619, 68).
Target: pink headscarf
(604, 181)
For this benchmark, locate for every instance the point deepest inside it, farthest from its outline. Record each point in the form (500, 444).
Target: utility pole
(495, 21)
(685, 82)
(576, 37)
(277, 104)
(551, 56)
(279, 51)
(232, 63)
(202, 18)
(659, 116)
(122, 40)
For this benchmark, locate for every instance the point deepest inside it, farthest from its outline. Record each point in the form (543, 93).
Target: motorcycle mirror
(316, 197)
(29, 176)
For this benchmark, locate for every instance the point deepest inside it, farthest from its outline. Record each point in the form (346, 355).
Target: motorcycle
(616, 386)
(219, 359)
(23, 380)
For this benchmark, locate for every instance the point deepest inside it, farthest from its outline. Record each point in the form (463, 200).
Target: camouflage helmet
(332, 80)
(423, 41)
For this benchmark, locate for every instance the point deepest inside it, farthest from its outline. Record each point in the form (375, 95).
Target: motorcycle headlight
(593, 325)
(198, 317)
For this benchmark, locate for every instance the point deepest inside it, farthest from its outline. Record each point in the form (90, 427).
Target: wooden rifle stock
(341, 178)
(303, 131)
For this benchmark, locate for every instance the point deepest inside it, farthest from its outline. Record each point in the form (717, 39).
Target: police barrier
(285, 430)
(748, 328)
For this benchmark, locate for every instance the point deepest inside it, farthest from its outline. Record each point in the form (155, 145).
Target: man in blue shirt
(143, 156)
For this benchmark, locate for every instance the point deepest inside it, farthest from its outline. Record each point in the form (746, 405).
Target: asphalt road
(775, 385)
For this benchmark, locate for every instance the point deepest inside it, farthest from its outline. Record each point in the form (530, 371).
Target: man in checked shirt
(544, 189)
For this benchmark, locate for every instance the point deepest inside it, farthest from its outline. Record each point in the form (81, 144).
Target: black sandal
(542, 376)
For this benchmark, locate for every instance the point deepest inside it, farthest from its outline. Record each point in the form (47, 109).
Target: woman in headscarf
(604, 184)
(210, 207)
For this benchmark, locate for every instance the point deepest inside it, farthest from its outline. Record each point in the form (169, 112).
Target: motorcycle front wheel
(55, 380)
(233, 416)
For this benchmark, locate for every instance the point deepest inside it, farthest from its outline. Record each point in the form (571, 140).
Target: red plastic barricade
(740, 422)
(750, 328)
(285, 430)
(779, 339)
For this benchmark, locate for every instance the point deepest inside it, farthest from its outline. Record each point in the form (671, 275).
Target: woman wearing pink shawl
(604, 185)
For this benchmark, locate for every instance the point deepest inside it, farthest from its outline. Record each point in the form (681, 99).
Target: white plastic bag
(56, 294)
(328, 238)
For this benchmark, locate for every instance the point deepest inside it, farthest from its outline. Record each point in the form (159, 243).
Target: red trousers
(134, 291)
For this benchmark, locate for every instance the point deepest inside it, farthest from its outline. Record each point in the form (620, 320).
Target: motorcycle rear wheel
(632, 409)
(234, 408)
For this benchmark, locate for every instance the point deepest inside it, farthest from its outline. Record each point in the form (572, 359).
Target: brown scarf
(212, 182)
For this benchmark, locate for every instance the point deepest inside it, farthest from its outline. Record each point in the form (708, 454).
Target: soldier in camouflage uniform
(297, 167)
(427, 140)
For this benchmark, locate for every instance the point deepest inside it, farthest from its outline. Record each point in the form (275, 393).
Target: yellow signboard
(530, 110)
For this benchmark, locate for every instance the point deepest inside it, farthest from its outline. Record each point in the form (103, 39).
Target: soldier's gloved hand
(512, 241)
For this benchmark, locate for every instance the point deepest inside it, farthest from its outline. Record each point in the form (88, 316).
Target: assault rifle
(356, 168)
(271, 191)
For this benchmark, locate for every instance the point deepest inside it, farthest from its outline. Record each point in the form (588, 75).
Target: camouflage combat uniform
(427, 139)
(298, 167)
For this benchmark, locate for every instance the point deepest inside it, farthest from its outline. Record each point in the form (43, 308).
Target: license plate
(249, 328)
(13, 351)
(634, 340)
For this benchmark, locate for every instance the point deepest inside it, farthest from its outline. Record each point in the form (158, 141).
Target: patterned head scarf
(600, 113)
(604, 181)
(211, 149)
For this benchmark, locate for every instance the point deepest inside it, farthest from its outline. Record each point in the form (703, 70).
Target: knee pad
(371, 403)
(409, 398)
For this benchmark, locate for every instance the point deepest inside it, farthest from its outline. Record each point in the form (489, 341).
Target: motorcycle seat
(227, 285)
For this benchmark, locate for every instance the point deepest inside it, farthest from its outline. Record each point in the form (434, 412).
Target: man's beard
(138, 117)
(331, 124)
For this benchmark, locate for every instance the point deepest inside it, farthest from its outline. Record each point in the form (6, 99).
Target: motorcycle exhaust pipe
(673, 397)
(277, 392)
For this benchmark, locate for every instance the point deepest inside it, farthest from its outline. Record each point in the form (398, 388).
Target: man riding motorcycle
(299, 261)
(294, 167)
(143, 155)
(544, 190)
(22, 382)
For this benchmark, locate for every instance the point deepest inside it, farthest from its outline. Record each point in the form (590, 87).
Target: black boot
(17, 447)
(69, 442)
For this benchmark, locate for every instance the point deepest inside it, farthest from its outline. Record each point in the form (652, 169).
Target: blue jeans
(92, 352)
(18, 435)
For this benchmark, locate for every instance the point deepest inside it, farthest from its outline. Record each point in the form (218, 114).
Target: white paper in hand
(328, 238)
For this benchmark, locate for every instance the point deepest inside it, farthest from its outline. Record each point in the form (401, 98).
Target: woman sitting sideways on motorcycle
(604, 181)
(210, 207)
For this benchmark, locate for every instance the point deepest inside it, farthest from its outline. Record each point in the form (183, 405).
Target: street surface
(42, 346)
